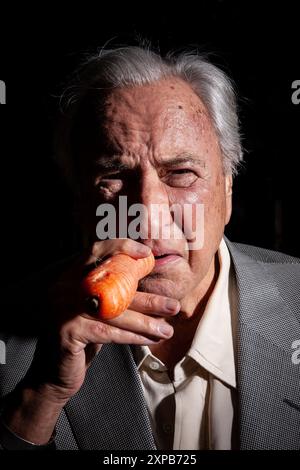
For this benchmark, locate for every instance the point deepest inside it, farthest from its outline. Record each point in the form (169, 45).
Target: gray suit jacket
(109, 412)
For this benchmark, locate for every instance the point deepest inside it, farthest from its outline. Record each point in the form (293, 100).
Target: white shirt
(195, 410)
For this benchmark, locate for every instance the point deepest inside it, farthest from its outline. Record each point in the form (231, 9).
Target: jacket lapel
(109, 411)
(268, 381)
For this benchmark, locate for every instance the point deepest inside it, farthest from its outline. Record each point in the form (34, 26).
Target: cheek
(216, 202)
(205, 215)
(184, 196)
(110, 193)
(214, 218)
(190, 215)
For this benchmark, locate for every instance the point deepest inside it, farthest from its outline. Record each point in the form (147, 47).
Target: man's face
(166, 152)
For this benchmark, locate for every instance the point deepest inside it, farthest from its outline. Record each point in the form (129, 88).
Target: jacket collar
(268, 381)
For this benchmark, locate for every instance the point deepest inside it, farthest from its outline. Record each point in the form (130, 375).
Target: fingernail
(172, 305)
(165, 329)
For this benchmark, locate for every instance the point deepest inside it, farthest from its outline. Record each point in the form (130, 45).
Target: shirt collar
(212, 346)
(140, 354)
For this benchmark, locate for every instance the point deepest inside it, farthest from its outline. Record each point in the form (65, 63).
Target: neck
(193, 305)
(171, 351)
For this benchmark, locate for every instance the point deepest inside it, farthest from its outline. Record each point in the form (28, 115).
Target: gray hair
(136, 66)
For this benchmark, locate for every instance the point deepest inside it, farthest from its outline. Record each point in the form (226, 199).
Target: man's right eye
(111, 176)
(115, 180)
(106, 177)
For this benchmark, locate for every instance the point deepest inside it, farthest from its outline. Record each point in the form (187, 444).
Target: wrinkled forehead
(171, 92)
(162, 119)
(164, 100)
(165, 110)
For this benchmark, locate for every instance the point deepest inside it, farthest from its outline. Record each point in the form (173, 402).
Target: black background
(256, 42)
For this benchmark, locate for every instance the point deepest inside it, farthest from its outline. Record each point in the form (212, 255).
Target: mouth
(165, 258)
(160, 256)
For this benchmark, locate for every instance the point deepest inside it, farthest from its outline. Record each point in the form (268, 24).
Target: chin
(159, 285)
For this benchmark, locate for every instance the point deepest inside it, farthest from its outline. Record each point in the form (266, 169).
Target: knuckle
(126, 245)
(157, 326)
(100, 329)
(149, 302)
(95, 249)
(153, 327)
(68, 341)
(148, 325)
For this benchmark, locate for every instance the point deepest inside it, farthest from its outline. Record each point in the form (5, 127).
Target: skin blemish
(180, 107)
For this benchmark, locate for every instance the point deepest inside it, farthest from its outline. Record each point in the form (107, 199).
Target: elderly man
(203, 356)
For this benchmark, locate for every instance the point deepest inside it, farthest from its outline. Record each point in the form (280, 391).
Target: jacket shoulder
(282, 269)
(265, 255)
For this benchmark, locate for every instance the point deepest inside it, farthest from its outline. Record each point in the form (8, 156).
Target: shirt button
(154, 365)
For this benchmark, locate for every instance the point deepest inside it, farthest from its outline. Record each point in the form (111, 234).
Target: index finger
(154, 304)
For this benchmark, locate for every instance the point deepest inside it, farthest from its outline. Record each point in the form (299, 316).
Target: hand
(73, 337)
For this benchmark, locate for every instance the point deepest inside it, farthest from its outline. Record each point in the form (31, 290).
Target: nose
(156, 218)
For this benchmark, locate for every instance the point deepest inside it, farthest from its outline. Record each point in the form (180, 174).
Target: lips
(165, 257)
(166, 260)
(159, 253)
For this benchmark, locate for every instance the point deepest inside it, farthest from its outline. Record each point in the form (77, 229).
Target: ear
(228, 197)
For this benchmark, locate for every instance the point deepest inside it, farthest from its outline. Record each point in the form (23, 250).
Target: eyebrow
(180, 159)
(111, 163)
(114, 163)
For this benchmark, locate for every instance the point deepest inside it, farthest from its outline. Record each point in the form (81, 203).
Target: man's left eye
(182, 177)
(182, 171)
